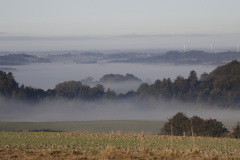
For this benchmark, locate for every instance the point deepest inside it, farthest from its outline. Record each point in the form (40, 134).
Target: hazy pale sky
(84, 20)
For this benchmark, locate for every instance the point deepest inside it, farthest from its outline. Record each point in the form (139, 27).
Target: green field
(107, 140)
(62, 145)
(152, 127)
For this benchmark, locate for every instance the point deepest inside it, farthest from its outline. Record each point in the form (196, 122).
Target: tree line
(221, 88)
(181, 125)
(10, 89)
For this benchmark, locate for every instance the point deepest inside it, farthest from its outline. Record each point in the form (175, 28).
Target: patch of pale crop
(114, 146)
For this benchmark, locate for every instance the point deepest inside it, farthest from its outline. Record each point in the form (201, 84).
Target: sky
(118, 24)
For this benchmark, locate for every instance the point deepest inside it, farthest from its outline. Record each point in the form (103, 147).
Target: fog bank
(132, 41)
(65, 110)
(47, 75)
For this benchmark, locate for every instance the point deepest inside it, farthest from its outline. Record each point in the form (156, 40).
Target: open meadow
(73, 145)
(124, 126)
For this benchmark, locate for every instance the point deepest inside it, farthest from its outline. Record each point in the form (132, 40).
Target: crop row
(99, 143)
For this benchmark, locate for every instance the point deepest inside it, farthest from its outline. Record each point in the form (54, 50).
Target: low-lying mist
(120, 87)
(47, 75)
(76, 110)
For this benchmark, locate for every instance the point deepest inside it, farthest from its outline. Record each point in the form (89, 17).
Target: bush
(180, 125)
(236, 131)
(176, 125)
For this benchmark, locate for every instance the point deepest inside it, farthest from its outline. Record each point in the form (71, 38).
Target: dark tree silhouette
(180, 125)
(236, 131)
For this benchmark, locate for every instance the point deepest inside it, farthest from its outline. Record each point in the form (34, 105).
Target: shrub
(180, 125)
(236, 131)
(176, 125)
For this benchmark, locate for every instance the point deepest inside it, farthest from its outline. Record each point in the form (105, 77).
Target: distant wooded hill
(21, 59)
(189, 57)
(175, 57)
(219, 88)
(117, 82)
(112, 78)
(119, 78)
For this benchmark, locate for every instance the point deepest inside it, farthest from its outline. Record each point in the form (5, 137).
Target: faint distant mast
(211, 47)
(237, 47)
(184, 47)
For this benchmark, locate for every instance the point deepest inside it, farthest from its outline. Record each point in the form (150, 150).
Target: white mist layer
(73, 110)
(47, 75)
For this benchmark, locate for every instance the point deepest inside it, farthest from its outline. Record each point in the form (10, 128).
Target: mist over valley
(48, 75)
(119, 79)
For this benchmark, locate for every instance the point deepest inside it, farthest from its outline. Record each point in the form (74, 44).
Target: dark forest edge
(219, 88)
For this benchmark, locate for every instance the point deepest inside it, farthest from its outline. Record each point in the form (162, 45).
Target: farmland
(124, 126)
(76, 145)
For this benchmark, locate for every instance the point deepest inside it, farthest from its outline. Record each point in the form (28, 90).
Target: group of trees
(8, 85)
(191, 57)
(181, 125)
(236, 131)
(21, 59)
(9, 88)
(119, 78)
(113, 79)
(77, 90)
(221, 88)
